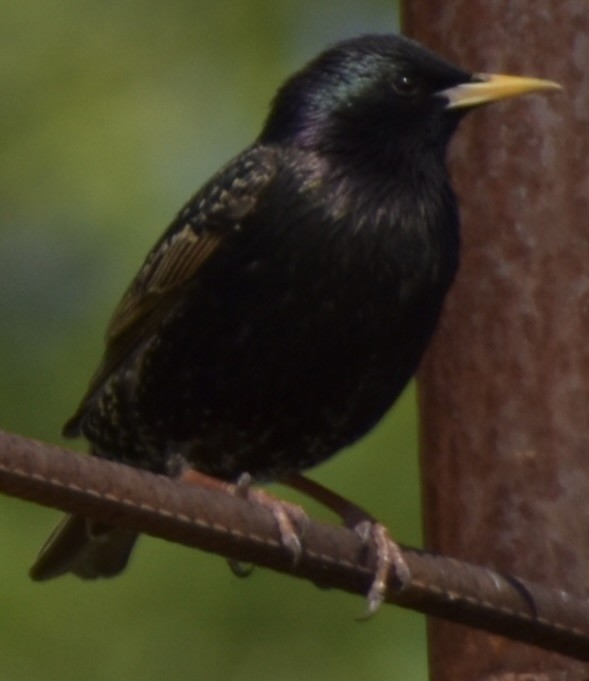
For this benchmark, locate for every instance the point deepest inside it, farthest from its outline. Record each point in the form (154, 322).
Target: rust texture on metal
(243, 530)
(504, 390)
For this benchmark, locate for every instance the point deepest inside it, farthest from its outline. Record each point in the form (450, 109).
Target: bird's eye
(405, 84)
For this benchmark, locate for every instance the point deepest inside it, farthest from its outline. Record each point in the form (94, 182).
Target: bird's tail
(85, 548)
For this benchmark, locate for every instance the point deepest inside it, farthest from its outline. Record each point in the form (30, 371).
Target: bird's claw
(388, 556)
(290, 518)
(240, 569)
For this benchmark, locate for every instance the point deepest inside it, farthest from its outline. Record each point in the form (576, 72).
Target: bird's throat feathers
(402, 223)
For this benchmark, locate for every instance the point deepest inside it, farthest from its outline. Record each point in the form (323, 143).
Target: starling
(290, 301)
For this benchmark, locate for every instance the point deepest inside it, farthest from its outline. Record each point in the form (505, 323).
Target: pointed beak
(486, 87)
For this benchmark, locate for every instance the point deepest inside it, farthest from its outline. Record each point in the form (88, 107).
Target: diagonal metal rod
(332, 556)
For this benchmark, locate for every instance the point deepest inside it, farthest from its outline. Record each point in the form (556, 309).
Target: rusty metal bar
(245, 531)
(504, 391)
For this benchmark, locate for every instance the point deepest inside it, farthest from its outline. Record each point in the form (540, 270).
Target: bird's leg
(388, 552)
(290, 518)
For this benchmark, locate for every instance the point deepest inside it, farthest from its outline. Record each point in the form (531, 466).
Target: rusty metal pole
(504, 390)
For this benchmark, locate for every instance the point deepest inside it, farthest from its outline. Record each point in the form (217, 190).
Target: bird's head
(381, 96)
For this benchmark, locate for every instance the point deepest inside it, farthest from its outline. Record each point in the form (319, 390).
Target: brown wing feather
(170, 266)
(146, 303)
(175, 261)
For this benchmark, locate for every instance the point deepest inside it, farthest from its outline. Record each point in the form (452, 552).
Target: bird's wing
(208, 218)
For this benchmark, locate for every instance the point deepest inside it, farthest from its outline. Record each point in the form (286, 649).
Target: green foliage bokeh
(112, 115)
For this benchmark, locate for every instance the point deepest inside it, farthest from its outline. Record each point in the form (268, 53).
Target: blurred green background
(112, 114)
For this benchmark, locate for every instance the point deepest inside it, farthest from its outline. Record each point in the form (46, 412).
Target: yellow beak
(487, 87)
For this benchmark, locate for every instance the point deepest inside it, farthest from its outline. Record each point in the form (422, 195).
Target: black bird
(290, 301)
